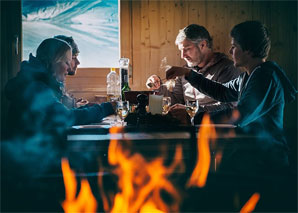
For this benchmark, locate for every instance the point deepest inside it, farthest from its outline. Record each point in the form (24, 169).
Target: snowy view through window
(93, 24)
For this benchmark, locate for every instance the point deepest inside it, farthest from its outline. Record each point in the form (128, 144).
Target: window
(94, 25)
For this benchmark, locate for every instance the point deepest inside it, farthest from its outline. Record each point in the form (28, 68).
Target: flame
(141, 182)
(200, 173)
(85, 202)
(250, 205)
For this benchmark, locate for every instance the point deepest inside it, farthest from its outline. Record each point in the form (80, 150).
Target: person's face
(74, 65)
(60, 68)
(191, 53)
(239, 56)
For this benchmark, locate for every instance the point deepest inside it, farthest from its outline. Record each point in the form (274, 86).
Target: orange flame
(250, 205)
(200, 173)
(140, 181)
(85, 202)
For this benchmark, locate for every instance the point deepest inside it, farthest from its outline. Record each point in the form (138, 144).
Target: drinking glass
(122, 110)
(192, 108)
(114, 99)
(166, 103)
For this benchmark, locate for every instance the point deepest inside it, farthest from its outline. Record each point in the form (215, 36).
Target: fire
(200, 173)
(142, 182)
(251, 203)
(85, 202)
(144, 185)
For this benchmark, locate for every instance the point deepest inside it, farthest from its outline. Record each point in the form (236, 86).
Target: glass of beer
(192, 107)
(166, 103)
(122, 110)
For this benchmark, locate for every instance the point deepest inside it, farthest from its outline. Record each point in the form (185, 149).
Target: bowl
(131, 96)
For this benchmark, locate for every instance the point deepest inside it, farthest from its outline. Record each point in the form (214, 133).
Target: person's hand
(177, 106)
(81, 102)
(178, 111)
(174, 72)
(153, 82)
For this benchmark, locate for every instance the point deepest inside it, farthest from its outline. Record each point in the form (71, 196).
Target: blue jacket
(261, 98)
(35, 103)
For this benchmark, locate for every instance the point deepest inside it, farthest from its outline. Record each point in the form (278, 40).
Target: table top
(111, 121)
(100, 131)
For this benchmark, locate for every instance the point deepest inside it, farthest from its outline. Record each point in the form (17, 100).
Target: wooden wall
(88, 83)
(149, 29)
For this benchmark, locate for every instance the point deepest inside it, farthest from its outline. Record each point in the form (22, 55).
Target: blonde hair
(51, 50)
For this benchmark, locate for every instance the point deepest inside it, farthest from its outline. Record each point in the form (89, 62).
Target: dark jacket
(35, 103)
(261, 100)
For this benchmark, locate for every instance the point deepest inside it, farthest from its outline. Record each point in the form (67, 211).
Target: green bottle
(124, 76)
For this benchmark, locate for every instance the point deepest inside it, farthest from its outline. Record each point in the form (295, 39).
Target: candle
(155, 104)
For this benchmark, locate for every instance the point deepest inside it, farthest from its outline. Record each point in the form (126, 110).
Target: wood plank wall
(149, 29)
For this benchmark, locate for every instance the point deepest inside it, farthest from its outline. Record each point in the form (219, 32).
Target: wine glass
(114, 99)
(122, 110)
(166, 103)
(192, 107)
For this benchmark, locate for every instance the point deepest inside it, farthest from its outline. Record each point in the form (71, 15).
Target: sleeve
(225, 74)
(218, 106)
(92, 114)
(176, 95)
(227, 92)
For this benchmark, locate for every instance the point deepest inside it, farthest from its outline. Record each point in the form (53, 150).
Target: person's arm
(155, 84)
(92, 114)
(224, 93)
(223, 74)
(218, 106)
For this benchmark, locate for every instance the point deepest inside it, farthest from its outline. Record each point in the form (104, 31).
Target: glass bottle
(113, 86)
(124, 80)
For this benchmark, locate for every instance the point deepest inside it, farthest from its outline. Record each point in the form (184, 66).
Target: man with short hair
(195, 45)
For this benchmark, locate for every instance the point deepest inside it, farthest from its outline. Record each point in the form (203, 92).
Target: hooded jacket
(261, 100)
(261, 96)
(35, 103)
